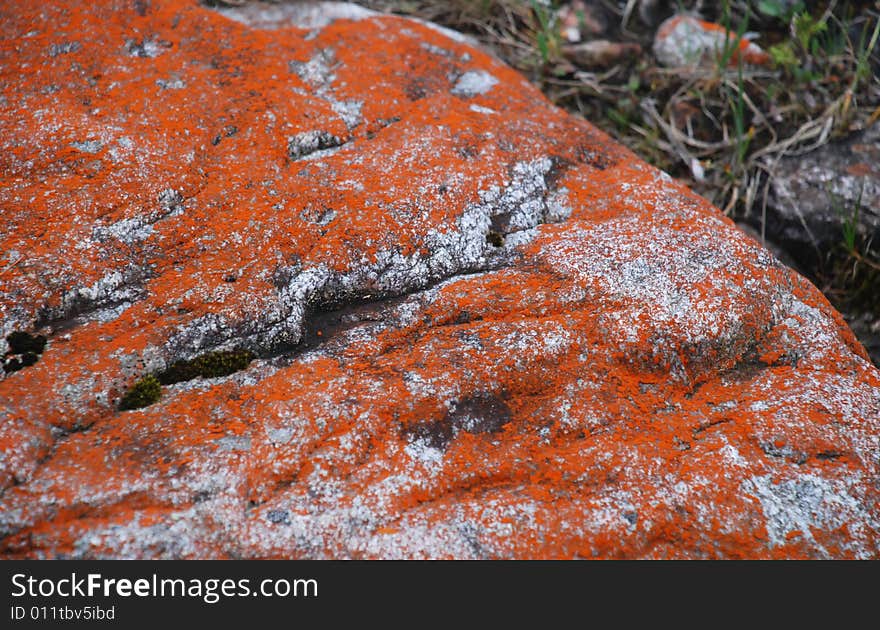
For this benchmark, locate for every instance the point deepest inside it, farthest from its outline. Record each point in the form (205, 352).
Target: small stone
(685, 41)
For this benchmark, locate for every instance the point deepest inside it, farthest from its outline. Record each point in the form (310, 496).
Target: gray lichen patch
(349, 111)
(88, 146)
(234, 444)
(126, 231)
(139, 228)
(318, 74)
(148, 47)
(473, 83)
(64, 48)
(306, 15)
(798, 506)
(309, 142)
(171, 84)
(317, 71)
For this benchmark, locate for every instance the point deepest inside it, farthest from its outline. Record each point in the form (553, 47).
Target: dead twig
(11, 265)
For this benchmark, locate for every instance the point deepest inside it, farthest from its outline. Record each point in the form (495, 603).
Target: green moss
(208, 365)
(143, 393)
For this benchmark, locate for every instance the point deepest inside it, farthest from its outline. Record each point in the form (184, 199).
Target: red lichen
(635, 380)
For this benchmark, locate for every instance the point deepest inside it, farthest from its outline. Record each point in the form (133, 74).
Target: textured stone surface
(482, 328)
(685, 41)
(812, 195)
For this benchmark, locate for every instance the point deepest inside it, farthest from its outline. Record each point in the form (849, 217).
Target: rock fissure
(525, 203)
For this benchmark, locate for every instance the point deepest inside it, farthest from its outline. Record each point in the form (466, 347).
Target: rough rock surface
(813, 196)
(684, 40)
(482, 329)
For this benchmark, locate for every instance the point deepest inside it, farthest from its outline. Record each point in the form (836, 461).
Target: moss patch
(142, 394)
(208, 365)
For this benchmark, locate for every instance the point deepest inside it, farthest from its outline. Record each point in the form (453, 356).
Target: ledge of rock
(471, 325)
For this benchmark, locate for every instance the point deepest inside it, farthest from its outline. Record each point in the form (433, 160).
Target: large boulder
(479, 328)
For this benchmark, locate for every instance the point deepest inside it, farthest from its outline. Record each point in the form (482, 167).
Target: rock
(813, 195)
(479, 327)
(686, 41)
(600, 52)
(814, 198)
(310, 15)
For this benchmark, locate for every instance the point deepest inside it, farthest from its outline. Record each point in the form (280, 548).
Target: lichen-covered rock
(812, 196)
(465, 324)
(686, 41)
(814, 200)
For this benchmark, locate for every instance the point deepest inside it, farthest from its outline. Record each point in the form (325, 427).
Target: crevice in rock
(597, 159)
(148, 390)
(558, 168)
(829, 455)
(710, 425)
(319, 143)
(116, 290)
(208, 365)
(784, 452)
(523, 204)
(380, 124)
(227, 132)
(60, 433)
(746, 368)
(799, 457)
(749, 365)
(328, 320)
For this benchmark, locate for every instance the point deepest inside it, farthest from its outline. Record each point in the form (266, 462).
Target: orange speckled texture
(482, 328)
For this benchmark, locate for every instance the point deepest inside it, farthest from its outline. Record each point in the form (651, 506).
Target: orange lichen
(619, 374)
